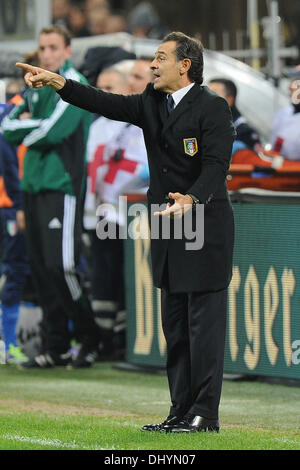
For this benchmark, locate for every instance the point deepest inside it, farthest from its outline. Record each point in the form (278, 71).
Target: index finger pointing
(27, 67)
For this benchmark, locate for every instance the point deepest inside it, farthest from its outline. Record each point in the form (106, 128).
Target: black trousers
(53, 236)
(194, 325)
(108, 269)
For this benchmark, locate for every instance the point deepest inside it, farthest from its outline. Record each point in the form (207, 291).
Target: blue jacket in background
(10, 188)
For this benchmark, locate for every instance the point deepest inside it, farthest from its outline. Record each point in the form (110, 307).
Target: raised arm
(110, 105)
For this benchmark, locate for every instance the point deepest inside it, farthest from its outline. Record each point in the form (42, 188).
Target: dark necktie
(170, 104)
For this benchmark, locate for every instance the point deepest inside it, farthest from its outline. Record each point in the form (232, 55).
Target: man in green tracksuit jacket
(55, 135)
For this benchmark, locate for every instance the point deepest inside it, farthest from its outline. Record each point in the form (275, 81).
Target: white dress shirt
(179, 94)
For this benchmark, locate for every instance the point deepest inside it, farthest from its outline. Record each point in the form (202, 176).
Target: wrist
(190, 199)
(58, 82)
(194, 199)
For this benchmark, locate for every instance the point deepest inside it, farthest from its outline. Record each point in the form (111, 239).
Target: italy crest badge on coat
(190, 146)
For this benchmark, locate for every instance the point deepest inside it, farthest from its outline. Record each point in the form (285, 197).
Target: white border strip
(68, 246)
(52, 442)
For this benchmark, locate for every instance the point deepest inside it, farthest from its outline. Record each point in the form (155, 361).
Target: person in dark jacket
(14, 255)
(247, 137)
(188, 133)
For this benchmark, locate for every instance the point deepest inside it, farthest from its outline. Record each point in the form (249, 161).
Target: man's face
(60, 8)
(112, 82)
(53, 51)
(166, 68)
(140, 76)
(218, 88)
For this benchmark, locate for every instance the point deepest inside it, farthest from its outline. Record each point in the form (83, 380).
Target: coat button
(166, 145)
(164, 169)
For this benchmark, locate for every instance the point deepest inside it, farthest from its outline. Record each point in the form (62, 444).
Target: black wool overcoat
(189, 151)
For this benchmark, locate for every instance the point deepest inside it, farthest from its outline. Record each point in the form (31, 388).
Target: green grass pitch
(104, 408)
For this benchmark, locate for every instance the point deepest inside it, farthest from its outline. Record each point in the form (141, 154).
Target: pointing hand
(37, 77)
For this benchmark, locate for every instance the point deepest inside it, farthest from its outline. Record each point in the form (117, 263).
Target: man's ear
(185, 66)
(230, 100)
(68, 52)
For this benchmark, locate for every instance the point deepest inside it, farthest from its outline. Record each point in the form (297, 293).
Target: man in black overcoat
(189, 134)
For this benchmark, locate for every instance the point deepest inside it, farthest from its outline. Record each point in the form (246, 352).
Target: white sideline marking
(52, 442)
(286, 441)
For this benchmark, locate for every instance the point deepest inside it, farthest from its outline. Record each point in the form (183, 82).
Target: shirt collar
(179, 94)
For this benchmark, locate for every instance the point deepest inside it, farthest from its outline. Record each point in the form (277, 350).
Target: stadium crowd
(59, 163)
(92, 17)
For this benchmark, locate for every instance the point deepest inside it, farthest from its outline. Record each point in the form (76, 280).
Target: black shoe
(169, 421)
(194, 423)
(47, 361)
(86, 357)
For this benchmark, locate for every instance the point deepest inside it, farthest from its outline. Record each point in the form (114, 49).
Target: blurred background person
(140, 76)
(100, 58)
(14, 257)
(97, 12)
(14, 87)
(97, 21)
(60, 12)
(285, 130)
(117, 164)
(92, 5)
(115, 24)
(77, 19)
(53, 184)
(247, 137)
(143, 21)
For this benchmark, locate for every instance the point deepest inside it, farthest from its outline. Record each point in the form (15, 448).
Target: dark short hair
(32, 58)
(230, 87)
(188, 48)
(58, 29)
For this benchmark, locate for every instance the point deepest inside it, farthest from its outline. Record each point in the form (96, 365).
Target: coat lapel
(183, 106)
(163, 112)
